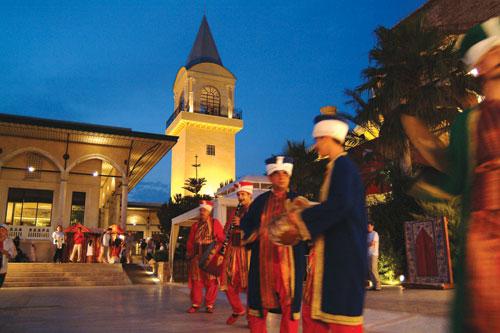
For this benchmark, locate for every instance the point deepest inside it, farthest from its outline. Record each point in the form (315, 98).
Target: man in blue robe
(276, 272)
(335, 286)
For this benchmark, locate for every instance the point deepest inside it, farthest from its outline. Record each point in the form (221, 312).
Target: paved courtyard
(156, 308)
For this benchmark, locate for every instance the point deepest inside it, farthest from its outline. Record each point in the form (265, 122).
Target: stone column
(230, 106)
(191, 94)
(124, 206)
(148, 224)
(105, 222)
(63, 190)
(116, 204)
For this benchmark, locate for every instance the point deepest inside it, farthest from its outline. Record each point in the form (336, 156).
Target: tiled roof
(204, 49)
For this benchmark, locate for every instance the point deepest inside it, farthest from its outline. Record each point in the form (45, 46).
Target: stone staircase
(64, 275)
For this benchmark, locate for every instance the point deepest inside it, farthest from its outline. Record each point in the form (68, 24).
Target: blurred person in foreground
(473, 171)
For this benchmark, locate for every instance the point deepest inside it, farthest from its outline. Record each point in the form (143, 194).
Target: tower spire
(204, 49)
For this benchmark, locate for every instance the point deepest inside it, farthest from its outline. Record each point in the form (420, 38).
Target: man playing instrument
(276, 272)
(234, 276)
(202, 234)
(334, 292)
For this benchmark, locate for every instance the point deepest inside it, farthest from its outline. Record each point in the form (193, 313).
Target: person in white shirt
(104, 253)
(8, 251)
(373, 244)
(59, 242)
(90, 251)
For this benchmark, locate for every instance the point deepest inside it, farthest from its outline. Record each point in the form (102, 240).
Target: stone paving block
(161, 308)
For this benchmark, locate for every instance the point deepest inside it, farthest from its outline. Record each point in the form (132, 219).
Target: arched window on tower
(210, 101)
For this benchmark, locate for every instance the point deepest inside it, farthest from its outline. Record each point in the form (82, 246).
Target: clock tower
(204, 118)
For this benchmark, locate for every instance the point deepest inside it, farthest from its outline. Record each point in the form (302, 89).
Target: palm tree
(308, 171)
(194, 185)
(415, 81)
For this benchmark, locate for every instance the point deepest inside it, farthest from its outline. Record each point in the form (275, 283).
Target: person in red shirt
(78, 239)
(202, 233)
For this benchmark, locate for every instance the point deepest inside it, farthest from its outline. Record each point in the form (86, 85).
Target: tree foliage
(389, 218)
(415, 71)
(224, 183)
(175, 207)
(308, 171)
(194, 185)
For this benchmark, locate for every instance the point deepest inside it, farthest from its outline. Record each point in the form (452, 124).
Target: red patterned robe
(200, 236)
(234, 276)
(235, 267)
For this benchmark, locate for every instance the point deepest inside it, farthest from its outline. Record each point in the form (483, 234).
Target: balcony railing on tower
(237, 114)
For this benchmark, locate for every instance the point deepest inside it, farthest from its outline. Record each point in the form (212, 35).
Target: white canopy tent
(184, 220)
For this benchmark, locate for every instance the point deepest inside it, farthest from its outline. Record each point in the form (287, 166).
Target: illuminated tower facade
(204, 118)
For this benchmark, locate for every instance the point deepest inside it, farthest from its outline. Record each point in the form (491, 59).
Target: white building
(59, 172)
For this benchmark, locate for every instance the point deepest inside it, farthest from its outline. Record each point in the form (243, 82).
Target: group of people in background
(279, 227)
(111, 247)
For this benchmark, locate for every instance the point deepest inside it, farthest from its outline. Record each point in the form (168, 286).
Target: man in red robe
(234, 276)
(202, 234)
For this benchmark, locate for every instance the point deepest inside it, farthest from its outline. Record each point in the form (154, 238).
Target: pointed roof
(204, 49)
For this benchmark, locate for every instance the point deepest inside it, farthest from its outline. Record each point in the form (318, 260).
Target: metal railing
(237, 114)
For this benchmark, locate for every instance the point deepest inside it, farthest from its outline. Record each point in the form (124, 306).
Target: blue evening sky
(114, 63)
